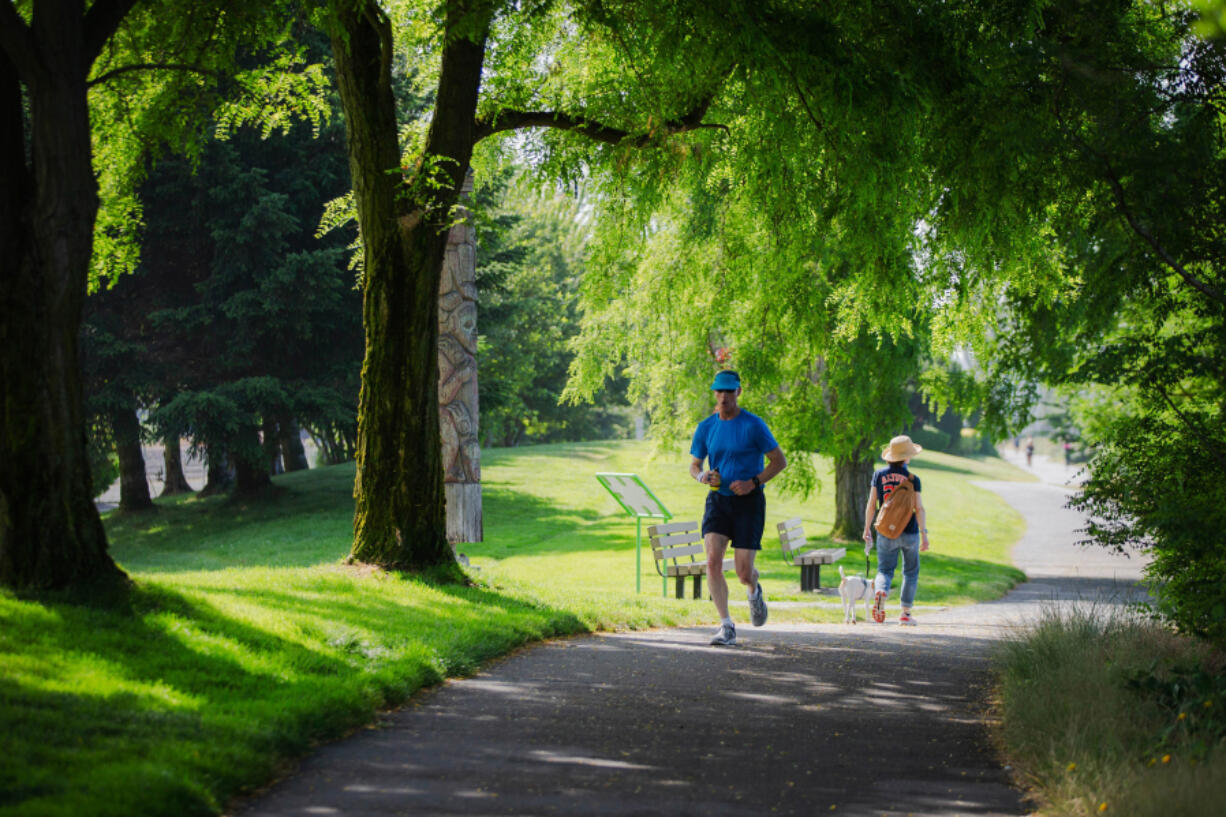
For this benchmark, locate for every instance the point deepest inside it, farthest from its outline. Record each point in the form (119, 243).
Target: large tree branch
(378, 21)
(1200, 286)
(101, 21)
(1192, 426)
(1121, 203)
(506, 120)
(151, 66)
(18, 41)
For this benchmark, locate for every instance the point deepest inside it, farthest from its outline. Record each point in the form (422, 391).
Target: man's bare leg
(748, 574)
(745, 570)
(717, 546)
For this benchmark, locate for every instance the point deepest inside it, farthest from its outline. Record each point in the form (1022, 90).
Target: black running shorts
(740, 518)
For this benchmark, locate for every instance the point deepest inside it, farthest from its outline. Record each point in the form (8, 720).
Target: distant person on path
(1029, 450)
(909, 543)
(1068, 453)
(733, 442)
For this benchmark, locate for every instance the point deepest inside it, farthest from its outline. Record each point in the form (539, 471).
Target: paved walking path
(798, 719)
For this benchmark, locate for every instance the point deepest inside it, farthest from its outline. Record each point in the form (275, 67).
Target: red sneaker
(879, 607)
(907, 620)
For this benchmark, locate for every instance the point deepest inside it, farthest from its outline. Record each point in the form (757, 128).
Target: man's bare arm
(696, 470)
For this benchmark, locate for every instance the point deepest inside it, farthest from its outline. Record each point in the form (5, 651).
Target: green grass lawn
(245, 640)
(571, 543)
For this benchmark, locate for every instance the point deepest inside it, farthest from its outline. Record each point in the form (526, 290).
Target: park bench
(675, 546)
(792, 540)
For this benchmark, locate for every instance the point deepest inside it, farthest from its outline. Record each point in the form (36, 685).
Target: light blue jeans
(887, 561)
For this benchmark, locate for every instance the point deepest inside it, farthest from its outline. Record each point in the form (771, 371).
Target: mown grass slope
(245, 640)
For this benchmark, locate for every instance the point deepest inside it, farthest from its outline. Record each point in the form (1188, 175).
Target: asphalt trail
(830, 719)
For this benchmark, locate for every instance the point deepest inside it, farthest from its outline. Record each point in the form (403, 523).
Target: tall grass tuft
(1103, 711)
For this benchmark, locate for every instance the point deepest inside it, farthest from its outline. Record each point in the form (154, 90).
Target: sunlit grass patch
(205, 681)
(552, 528)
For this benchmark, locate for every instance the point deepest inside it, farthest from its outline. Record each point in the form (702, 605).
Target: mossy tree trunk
(51, 536)
(400, 517)
(400, 514)
(852, 475)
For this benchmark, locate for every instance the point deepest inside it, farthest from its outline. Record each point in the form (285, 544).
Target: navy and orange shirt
(884, 481)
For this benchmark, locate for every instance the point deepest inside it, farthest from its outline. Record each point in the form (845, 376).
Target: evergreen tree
(74, 79)
(259, 327)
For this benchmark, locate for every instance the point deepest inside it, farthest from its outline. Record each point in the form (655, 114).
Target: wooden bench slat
(675, 539)
(674, 542)
(792, 541)
(672, 527)
(696, 568)
(678, 552)
(822, 556)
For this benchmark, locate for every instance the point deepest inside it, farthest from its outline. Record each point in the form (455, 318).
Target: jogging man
(909, 543)
(733, 442)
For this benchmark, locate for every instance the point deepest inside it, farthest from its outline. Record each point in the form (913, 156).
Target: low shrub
(931, 439)
(974, 443)
(1102, 707)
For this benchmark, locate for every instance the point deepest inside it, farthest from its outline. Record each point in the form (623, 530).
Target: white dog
(851, 590)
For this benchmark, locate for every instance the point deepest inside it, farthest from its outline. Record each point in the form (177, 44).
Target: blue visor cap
(726, 380)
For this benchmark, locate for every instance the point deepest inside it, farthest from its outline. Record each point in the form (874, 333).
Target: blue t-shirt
(733, 447)
(884, 481)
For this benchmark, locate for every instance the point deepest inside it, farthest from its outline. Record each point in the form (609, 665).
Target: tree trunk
(50, 533)
(133, 481)
(293, 455)
(852, 475)
(400, 517)
(219, 477)
(176, 481)
(250, 466)
(272, 446)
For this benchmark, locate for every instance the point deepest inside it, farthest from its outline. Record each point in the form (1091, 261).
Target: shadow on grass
(518, 524)
(113, 741)
(596, 450)
(183, 696)
(308, 522)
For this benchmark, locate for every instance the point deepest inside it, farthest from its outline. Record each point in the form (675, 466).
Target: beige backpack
(897, 509)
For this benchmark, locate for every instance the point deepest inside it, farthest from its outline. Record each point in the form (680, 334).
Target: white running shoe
(757, 607)
(726, 637)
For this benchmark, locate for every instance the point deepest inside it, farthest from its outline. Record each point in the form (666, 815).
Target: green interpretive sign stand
(637, 500)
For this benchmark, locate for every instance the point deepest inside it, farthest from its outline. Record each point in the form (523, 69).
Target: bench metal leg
(698, 585)
(810, 577)
(681, 587)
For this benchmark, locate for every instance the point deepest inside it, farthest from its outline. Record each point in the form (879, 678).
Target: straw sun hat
(900, 448)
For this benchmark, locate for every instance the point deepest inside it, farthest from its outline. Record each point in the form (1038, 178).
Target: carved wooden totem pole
(457, 391)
